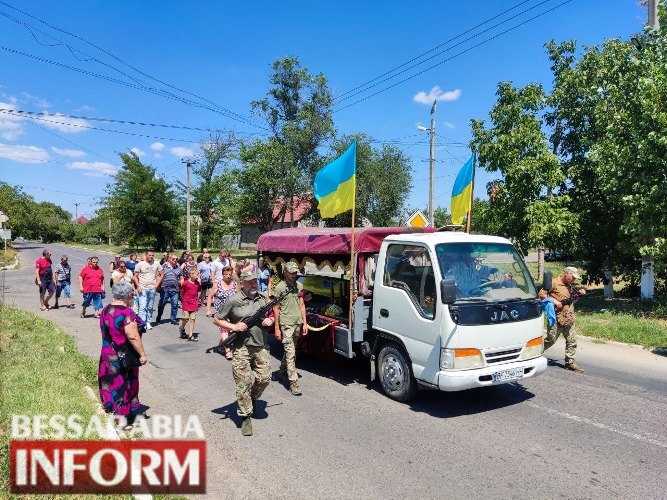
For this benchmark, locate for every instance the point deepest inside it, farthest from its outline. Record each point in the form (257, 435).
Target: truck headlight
(533, 348)
(461, 359)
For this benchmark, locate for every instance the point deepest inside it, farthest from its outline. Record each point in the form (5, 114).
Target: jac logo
(503, 315)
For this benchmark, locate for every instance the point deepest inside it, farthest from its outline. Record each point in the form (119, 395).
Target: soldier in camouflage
(564, 294)
(250, 356)
(290, 322)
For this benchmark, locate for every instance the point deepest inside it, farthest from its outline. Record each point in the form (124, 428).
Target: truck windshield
(487, 272)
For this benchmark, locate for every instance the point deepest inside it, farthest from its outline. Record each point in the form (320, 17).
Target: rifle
(252, 320)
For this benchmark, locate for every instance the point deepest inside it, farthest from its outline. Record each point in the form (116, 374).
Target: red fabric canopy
(327, 240)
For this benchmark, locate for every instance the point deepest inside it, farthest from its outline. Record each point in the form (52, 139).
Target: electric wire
(465, 51)
(391, 74)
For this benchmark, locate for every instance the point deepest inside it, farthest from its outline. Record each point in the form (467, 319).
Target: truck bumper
(482, 377)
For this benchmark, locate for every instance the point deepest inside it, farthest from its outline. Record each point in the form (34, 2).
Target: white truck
(442, 310)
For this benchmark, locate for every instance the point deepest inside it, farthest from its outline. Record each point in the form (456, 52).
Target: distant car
(557, 256)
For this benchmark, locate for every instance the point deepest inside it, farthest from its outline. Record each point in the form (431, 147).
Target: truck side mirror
(448, 291)
(548, 281)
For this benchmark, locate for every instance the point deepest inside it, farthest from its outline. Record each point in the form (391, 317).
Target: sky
(222, 51)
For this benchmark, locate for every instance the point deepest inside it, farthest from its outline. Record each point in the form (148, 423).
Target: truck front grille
(504, 355)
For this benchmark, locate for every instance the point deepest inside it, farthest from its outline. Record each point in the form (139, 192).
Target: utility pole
(652, 14)
(431, 164)
(188, 166)
(76, 210)
(109, 231)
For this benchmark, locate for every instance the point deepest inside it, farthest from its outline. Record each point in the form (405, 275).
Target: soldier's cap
(573, 271)
(248, 275)
(291, 267)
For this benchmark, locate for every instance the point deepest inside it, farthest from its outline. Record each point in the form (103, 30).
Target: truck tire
(395, 374)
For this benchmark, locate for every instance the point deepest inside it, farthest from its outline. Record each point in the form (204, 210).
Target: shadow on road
(229, 412)
(333, 367)
(455, 404)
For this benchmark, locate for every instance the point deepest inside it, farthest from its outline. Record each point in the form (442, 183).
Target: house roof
(302, 205)
(81, 220)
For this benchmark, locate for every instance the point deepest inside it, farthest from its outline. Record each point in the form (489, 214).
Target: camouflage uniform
(250, 359)
(290, 325)
(564, 320)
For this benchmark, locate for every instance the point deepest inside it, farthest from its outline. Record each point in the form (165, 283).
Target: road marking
(599, 425)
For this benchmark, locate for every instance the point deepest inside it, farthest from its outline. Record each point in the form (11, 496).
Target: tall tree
(210, 194)
(515, 146)
(298, 111)
(142, 204)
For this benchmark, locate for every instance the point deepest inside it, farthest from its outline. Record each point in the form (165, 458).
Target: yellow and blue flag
(335, 184)
(462, 192)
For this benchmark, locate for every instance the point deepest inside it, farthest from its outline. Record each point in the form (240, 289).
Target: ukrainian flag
(335, 184)
(462, 191)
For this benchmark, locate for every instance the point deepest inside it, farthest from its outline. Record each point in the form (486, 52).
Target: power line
(124, 122)
(432, 49)
(123, 83)
(440, 63)
(91, 127)
(115, 57)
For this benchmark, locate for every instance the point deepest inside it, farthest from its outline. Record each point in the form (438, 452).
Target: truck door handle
(384, 313)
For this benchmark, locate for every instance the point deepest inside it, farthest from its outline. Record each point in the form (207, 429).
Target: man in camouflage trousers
(250, 356)
(564, 294)
(290, 322)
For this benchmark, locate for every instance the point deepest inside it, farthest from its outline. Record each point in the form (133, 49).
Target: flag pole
(472, 193)
(353, 259)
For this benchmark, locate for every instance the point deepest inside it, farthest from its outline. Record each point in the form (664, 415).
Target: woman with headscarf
(120, 327)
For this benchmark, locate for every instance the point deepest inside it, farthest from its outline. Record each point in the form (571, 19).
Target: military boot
(572, 366)
(246, 426)
(295, 389)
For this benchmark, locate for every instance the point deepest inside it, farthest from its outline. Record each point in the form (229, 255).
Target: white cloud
(70, 153)
(157, 146)
(437, 94)
(11, 126)
(94, 167)
(37, 101)
(137, 151)
(61, 123)
(181, 152)
(448, 124)
(23, 154)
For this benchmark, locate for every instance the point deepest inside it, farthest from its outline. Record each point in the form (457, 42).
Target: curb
(13, 266)
(660, 351)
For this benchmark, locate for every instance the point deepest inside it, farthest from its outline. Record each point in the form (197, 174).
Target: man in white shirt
(223, 260)
(145, 279)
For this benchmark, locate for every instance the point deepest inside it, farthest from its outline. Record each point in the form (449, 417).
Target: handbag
(128, 357)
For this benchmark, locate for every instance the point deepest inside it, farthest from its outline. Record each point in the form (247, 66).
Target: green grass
(7, 258)
(41, 373)
(623, 319)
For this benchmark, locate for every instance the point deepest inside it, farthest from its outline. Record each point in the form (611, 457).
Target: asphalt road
(602, 434)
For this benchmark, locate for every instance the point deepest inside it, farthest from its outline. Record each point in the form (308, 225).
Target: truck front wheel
(395, 374)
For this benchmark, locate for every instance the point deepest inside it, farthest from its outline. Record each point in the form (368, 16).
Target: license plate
(507, 375)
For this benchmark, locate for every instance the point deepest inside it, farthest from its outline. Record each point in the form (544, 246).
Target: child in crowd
(190, 288)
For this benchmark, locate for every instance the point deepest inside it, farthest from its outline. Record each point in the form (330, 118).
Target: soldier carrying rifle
(250, 356)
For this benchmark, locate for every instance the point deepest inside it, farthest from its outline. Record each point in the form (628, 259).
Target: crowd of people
(228, 290)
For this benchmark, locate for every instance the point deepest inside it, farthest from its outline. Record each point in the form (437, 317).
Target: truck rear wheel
(395, 374)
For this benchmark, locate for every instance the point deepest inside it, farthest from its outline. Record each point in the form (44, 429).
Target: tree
(441, 217)
(383, 182)
(610, 127)
(30, 219)
(523, 205)
(142, 205)
(211, 193)
(298, 111)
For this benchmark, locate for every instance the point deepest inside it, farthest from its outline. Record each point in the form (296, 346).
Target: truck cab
(453, 311)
